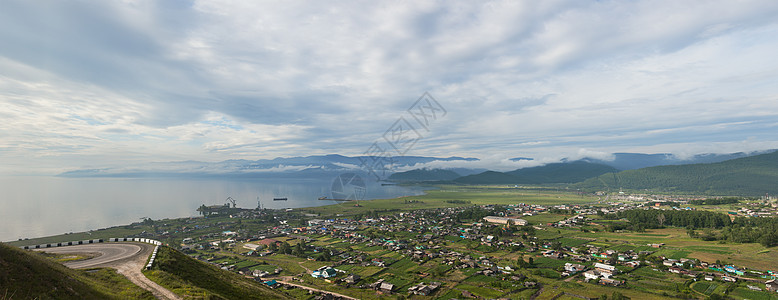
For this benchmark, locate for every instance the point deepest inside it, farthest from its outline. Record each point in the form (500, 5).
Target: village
(483, 252)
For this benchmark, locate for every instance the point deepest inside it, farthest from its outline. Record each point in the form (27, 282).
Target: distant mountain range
(747, 176)
(631, 161)
(304, 167)
(327, 166)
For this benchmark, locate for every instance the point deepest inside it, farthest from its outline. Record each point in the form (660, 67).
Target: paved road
(107, 253)
(127, 258)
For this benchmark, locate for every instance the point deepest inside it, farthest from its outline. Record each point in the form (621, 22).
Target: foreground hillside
(29, 275)
(748, 176)
(189, 277)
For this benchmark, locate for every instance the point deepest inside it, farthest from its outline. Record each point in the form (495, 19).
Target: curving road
(127, 258)
(107, 254)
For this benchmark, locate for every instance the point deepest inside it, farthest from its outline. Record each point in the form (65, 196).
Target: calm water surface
(42, 206)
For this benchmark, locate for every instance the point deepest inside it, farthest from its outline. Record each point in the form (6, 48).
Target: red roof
(267, 242)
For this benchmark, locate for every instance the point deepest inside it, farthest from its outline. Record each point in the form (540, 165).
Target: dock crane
(230, 200)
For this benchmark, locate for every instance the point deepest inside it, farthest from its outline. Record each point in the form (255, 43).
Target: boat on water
(280, 199)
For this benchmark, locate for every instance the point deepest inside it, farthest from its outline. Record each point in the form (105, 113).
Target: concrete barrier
(94, 241)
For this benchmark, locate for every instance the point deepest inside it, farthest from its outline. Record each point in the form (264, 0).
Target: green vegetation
(489, 177)
(551, 173)
(462, 195)
(715, 201)
(741, 230)
(563, 172)
(28, 275)
(186, 276)
(748, 176)
(417, 246)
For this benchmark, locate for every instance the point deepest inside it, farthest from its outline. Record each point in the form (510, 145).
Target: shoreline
(91, 233)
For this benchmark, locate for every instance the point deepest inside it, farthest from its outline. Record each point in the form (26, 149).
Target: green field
(471, 195)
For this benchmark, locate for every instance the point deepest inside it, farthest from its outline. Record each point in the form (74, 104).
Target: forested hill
(748, 176)
(575, 171)
(551, 173)
(424, 175)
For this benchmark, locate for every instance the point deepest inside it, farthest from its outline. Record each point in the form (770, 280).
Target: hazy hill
(551, 173)
(325, 166)
(753, 175)
(563, 172)
(29, 275)
(491, 177)
(631, 161)
(425, 175)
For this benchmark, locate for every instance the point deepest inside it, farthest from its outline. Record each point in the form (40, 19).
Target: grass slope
(194, 279)
(29, 275)
(748, 176)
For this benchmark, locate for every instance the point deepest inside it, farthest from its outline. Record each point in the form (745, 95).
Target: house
(771, 285)
(613, 282)
(315, 222)
(324, 272)
(709, 277)
(591, 274)
(605, 267)
(386, 287)
(259, 273)
(633, 264)
(574, 268)
(271, 283)
(504, 220)
(675, 270)
(423, 289)
(252, 247)
(351, 279)
(728, 278)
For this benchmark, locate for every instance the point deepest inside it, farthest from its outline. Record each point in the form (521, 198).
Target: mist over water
(42, 206)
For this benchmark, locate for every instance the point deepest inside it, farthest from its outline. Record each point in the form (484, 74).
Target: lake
(43, 206)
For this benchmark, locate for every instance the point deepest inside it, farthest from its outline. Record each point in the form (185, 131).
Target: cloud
(112, 83)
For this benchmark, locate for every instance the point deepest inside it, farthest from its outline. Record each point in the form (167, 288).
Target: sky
(86, 84)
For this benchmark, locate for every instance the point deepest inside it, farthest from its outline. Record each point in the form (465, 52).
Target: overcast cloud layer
(110, 83)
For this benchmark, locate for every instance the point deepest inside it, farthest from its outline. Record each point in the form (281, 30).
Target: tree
(556, 245)
(618, 296)
(661, 218)
(324, 256)
(298, 251)
(285, 248)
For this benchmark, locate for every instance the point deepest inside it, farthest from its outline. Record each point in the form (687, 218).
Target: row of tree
(678, 218)
(715, 201)
(739, 230)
